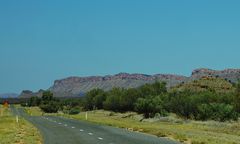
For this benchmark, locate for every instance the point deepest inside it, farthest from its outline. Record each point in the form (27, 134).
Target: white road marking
(100, 138)
(81, 130)
(90, 133)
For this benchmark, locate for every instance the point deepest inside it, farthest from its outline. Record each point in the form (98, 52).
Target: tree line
(150, 100)
(49, 104)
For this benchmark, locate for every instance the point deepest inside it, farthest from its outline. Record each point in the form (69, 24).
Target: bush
(49, 104)
(33, 101)
(202, 105)
(237, 98)
(113, 99)
(150, 106)
(50, 107)
(183, 103)
(74, 111)
(94, 99)
(144, 106)
(217, 111)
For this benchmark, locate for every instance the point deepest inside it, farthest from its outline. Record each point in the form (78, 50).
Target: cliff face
(77, 86)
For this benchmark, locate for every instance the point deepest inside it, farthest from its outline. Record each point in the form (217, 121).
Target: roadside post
(17, 118)
(86, 115)
(1, 111)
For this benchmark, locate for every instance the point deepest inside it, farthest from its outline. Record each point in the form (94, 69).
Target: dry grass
(184, 131)
(12, 132)
(189, 132)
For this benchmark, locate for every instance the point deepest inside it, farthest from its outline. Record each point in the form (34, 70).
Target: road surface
(58, 130)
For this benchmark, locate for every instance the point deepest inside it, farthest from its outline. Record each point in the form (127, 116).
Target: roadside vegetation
(185, 131)
(199, 101)
(172, 127)
(204, 111)
(12, 132)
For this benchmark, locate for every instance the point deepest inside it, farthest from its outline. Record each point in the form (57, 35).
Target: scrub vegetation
(204, 111)
(173, 127)
(202, 99)
(12, 132)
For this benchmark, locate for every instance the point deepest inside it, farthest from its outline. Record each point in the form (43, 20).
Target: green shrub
(74, 111)
(150, 106)
(50, 107)
(217, 111)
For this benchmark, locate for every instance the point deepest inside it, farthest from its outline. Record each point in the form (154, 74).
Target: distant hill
(77, 86)
(28, 93)
(218, 85)
(9, 95)
(231, 75)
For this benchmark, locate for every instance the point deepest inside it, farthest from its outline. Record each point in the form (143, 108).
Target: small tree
(34, 101)
(237, 98)
(154, 89)
(47, 96)
(113, 99)
(144, 106)
(217, 111)
(150, 106)
(48, 103)
(129, 97)
(50, 107)
(183, 103)
(94, 99)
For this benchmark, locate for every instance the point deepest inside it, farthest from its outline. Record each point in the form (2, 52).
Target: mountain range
(9, 95)
(77, 86)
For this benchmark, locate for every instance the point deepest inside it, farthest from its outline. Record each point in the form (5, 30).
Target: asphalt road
(58, 130)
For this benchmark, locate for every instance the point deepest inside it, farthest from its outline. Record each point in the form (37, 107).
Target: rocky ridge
(77, 86)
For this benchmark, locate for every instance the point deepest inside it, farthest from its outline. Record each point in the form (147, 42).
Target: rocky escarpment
(28, 93)
(77, 86)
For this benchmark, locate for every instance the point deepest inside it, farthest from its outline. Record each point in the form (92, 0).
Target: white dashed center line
(81, 130)
(90, 133)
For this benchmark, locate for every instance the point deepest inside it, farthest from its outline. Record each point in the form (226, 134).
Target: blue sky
(41, 41)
